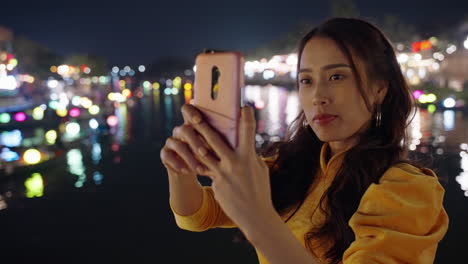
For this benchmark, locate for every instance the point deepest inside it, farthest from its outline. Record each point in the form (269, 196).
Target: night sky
(138, 32)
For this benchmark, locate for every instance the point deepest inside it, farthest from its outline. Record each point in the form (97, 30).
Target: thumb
(247, 129)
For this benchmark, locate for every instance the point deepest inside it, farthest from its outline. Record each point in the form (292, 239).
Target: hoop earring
(307, 127)
(378, 117)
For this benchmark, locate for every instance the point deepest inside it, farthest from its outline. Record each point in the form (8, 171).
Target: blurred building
(454, 70)
(6, 37)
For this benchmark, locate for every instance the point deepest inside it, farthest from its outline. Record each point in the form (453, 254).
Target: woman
(338, 187)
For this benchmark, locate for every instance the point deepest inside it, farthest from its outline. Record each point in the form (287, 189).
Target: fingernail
(184, 171)
(196, 119)
(202, 151)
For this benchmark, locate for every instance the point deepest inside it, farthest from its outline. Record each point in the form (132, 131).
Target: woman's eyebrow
(326, 67)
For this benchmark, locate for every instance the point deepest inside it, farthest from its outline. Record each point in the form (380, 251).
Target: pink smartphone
(218, 91)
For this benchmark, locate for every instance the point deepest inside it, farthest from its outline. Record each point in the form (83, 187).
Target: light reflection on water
(449, 120)
(34, 185)
(76, 166)
(462, 179)
(436, 134)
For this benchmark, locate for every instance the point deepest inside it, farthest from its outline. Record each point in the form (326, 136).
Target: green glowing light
(34, 186)
(5, 118)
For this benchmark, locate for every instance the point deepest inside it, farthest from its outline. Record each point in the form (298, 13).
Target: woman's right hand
(177, 155)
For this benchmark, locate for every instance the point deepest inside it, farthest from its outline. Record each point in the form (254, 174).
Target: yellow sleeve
(399, 220)
(209, 215)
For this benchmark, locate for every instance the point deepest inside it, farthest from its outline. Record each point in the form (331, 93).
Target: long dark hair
(377, 149)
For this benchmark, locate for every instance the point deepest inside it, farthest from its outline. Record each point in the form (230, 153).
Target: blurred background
(89, 91)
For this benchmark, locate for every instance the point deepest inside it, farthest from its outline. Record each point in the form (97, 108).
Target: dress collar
(334, 163)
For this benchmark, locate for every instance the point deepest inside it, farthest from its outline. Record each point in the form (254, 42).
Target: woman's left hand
(240, 178)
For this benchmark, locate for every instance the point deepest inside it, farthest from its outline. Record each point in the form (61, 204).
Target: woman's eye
(305, 81)
(336, 77)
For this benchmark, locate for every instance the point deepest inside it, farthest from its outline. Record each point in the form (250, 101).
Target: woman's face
(328, 93)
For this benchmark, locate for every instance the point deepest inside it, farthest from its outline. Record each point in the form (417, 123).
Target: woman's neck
(338, 146)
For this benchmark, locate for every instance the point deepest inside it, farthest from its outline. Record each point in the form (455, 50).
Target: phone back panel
(222, 113)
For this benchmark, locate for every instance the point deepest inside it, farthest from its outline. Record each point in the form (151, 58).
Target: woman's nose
(320, 96)
(320, 100)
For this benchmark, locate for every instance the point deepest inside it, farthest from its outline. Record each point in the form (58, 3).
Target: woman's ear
(382, 89)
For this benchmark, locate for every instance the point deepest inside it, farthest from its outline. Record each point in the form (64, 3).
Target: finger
(172, 162)
(189, 135)
(219, 146)
(247, 130)
(211, 162)
(184, 152)
(191, 114)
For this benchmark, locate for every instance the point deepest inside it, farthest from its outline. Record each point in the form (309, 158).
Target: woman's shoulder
(270, 158)
(406, 172)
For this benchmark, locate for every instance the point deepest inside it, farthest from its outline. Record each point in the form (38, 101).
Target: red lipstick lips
(323, 119)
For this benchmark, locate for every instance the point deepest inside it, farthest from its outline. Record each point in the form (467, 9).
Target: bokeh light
(112, 120)
(72, 128)
(74, 112)
(449, 102)
(93, 123)
(62, 112)
(20, 117)
(32, 156)
(5, 118)
(94, 110)
(51, 137)
(34, 185)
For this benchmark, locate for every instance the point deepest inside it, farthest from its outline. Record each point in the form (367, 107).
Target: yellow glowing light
(94, 110)
(63, 69)
(423, 99)
(14, 62)
(32, 156)
(122, 83)
(431, 108)
(86, 102)
(188, 86)
(188, 96)
(126, 92)
(38, 113)
(177, 82)
(51, 137)
(414, 80)
(62, 112)
(156, 85)
(431, 98)
(34, 186)
(111, 96)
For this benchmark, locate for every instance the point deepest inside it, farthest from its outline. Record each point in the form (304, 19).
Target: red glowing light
(423, 45)
(115, 147)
